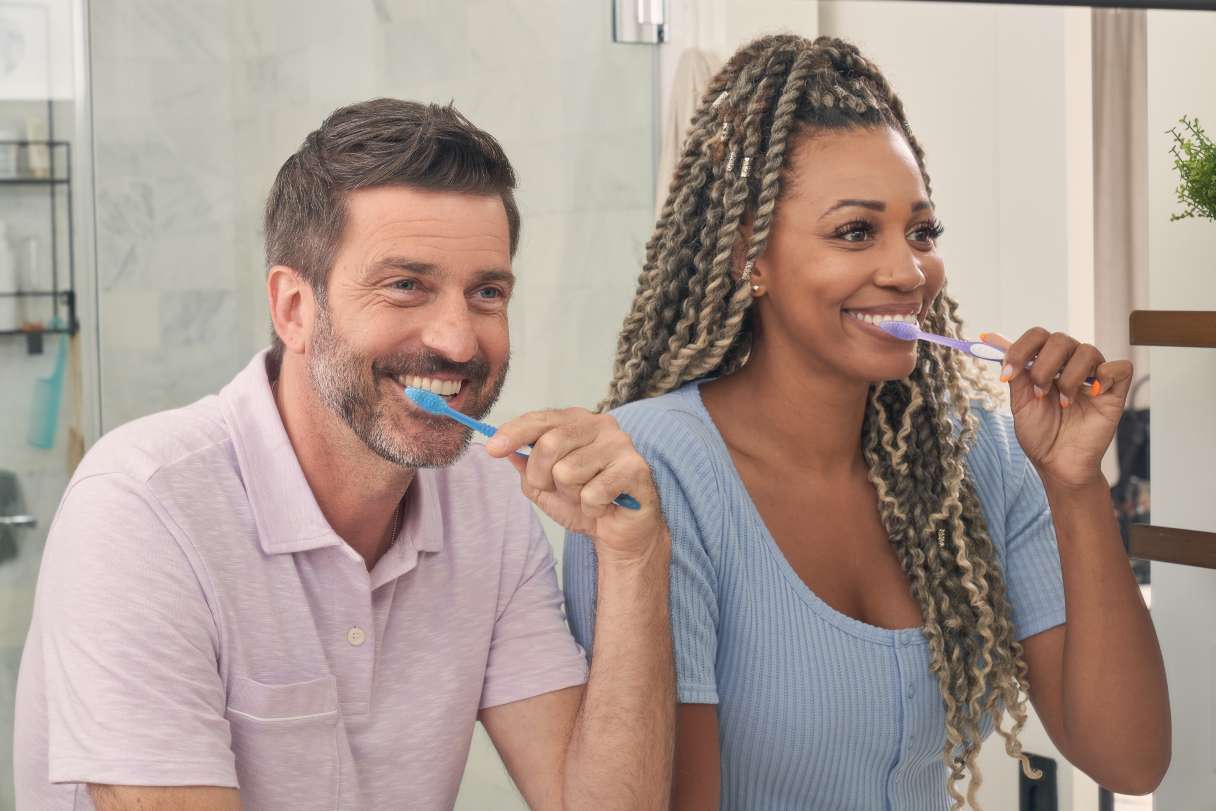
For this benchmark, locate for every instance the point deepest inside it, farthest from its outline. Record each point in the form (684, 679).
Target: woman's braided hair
(691, 318)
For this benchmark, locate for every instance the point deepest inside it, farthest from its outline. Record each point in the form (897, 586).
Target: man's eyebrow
(499, 275)
(403, 263)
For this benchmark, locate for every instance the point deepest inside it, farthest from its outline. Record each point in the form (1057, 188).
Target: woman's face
(853, 241)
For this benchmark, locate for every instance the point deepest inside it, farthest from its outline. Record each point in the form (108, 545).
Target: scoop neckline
(851, 625)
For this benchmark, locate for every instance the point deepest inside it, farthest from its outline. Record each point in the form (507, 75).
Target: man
(302, 592)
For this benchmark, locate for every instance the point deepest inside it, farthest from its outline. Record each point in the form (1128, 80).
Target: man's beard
(338, 375)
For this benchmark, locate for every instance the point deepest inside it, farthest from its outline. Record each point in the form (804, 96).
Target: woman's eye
(927, 232)
(854, 231)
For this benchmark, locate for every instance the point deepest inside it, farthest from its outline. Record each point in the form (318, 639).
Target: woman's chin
(890, 371)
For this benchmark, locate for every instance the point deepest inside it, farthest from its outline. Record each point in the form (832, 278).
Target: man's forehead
(427, 225)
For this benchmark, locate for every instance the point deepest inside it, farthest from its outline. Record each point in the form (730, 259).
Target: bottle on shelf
(8, 153)
(9, 282)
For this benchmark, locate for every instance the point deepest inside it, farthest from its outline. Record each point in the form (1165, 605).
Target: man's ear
(292, 307)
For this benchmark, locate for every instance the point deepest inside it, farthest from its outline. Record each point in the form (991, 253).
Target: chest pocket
(285, 738)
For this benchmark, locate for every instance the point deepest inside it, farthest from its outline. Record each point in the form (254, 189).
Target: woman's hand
(1063, 427)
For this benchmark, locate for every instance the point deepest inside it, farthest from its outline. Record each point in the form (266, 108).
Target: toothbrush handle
(987, 352)
(623, 500)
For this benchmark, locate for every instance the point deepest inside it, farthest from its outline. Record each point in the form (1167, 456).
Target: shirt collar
(285, 512)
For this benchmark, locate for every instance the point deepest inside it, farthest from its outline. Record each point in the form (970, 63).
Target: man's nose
(449, 329)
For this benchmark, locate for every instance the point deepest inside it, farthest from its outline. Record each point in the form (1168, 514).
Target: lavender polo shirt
(198, 622)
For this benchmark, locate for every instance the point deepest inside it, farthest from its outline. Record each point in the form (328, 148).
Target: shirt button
(911, 692)
(356, 636)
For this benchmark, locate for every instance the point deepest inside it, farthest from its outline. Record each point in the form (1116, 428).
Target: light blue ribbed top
(816, 709)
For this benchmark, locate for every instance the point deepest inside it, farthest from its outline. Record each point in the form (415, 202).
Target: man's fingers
(527, 428)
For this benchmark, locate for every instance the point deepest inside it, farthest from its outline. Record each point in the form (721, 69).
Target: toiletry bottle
(8, 153)
(38, 153)
(8, 282)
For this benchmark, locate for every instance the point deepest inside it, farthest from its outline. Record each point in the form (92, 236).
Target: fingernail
(983, 336)
(1096, 389)
(1040, 393)
(1064, 401)
(496, 444)
(1006, 373)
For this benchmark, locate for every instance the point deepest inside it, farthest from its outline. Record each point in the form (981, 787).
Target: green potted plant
(1195, 160)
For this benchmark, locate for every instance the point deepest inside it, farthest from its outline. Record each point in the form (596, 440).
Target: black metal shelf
(34, 181)
(58, 167)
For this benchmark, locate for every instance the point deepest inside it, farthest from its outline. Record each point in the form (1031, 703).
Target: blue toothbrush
(431, 402)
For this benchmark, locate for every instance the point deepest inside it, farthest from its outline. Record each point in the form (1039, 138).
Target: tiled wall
(197, 105)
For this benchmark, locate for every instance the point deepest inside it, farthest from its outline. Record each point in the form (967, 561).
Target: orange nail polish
(983, 336)
(1096, 389)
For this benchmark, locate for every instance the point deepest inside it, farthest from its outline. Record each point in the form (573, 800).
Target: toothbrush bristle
(426, 400)
(899, 329)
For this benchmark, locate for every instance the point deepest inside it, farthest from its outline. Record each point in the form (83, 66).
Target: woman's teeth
(446, 388)
(872, 318)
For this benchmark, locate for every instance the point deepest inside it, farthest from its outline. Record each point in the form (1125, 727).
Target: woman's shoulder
(676, 436)
(670, 425)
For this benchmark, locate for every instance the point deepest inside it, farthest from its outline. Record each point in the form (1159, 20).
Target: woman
(865, 570)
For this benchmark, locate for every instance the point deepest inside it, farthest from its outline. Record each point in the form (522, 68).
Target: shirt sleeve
(1032, 559)
(134, 694)
(531, 651)
(690, 494)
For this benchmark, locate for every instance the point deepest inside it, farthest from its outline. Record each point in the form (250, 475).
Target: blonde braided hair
(691, 318)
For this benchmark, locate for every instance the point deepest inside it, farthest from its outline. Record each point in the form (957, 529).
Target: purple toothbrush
(907, 331)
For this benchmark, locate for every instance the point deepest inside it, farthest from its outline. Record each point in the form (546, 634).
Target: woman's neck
(790, 417)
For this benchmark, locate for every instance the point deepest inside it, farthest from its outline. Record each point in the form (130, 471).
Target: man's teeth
(872, 318)
(447, 388)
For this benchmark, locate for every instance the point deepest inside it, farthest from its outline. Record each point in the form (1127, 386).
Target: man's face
(417, 296)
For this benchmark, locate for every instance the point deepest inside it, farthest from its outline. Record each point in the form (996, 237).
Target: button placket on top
(352, 639)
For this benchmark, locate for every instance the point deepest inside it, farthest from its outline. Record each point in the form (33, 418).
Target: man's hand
(580, 462)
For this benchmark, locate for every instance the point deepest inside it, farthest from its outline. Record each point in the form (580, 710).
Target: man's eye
(405, 284)
(490, 293)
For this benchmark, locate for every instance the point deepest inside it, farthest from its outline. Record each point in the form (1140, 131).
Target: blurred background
(138, 139)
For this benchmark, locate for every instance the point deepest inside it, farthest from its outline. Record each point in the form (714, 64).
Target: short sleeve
(531, 651)
(689, 490)
(1032, 559)
(134, 694)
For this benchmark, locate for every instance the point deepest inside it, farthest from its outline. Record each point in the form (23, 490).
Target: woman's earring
(757, 289)
(748, 267)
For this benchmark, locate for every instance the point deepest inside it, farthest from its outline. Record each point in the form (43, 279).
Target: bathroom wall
(1182, 276)
(196, 107)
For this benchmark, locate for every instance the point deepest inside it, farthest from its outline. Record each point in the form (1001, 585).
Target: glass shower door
(42, 433)
(197, 105)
